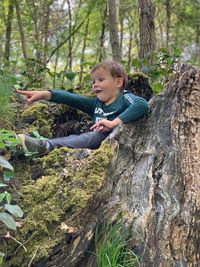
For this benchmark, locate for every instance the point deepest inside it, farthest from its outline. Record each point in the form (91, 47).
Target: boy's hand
(105, 125)
(31, 96)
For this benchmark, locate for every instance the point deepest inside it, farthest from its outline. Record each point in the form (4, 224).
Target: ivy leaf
(5, 164)
(14, 209)
(8, 220)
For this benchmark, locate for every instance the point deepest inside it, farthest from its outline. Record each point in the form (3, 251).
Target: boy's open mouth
(98, 91)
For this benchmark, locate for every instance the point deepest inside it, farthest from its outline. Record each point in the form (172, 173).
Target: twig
(33, 256)
(24, 243)
(21, 245)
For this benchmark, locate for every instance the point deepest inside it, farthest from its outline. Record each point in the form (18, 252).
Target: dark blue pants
(90, 140)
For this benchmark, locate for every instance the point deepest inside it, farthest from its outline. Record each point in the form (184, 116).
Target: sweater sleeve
(85, 104)
(136, 107)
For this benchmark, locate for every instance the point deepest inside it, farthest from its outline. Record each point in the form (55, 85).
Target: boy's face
(106, 87)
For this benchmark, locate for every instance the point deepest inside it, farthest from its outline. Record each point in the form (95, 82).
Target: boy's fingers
(23, 92)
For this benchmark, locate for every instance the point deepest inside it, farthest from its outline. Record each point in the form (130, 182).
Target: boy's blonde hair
(116, 69)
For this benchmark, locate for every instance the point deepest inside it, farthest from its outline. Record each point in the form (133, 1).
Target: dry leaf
(65, 227)
(7, 235)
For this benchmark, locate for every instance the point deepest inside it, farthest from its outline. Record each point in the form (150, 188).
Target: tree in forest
(9, 29)
(146, 11)
(113, 30)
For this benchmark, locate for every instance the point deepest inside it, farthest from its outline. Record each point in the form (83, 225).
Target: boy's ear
(120, 81)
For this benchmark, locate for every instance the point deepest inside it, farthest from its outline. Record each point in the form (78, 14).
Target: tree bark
(168, 13)
(102, 38)
(113, 31)
(146, 27)
(70, 36)
(83, 51)
(21, 29)
(9, 29)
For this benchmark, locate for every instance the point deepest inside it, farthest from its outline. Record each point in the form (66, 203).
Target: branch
(72, 33)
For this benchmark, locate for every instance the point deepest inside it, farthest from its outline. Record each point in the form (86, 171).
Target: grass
(112, 248)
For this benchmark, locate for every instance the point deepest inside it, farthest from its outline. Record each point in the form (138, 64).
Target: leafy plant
(8, 211)
(114, 248)
(158, 65)
(7, 82)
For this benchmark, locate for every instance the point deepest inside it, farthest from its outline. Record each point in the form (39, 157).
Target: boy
(110, 107)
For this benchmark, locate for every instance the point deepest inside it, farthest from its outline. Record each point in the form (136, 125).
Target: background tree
(113, 30)
(9, 29)
(146, 11)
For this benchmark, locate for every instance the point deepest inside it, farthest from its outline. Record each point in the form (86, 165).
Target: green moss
(137, 75)
(67, 183)
(40, 119)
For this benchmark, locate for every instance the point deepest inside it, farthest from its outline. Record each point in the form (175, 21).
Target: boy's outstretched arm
(31, 96)
(105, 125)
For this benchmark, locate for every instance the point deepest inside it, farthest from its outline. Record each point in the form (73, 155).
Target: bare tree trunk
(113, 30)
(146, 26)
(102, 38)
(21, 29)
(83, 51)
(130, 42)
(46, 36)
(55, 69)
(70, 31)
(121, 33)
(9, 29)
(168, 13)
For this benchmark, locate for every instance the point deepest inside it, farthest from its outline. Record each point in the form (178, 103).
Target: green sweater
(127, 107)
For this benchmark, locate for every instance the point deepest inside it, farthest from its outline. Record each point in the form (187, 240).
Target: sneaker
(30, 144)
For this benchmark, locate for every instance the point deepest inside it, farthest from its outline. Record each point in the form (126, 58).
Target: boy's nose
(95, 83)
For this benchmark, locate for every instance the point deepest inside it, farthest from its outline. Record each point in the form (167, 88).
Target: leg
(90, 140)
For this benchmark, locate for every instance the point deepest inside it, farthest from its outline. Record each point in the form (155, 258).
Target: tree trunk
(130, 28)
(146, 27)
(113, 30)
(9, 29)
(83, 51)
(21, 29)
(168, 13)
(70, 32)
(102, 38)
(153, 180)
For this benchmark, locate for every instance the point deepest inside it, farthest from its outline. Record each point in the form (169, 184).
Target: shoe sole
(21, 139)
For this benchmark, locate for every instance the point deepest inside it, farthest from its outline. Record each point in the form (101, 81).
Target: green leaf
(14, 209)
(2, 195)
(7, 176)
(13, 140)
(5, 164)
(2, 254)
(162, 50)
(177, 51)
(8, 197)
(70, 75)
(2, 185)
(36, 134)
(8, 220)
(136, 62)
(156, 58)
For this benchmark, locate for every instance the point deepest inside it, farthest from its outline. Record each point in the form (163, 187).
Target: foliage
(7, 82)
(158, 65)
(114, 249)
(7, 210)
